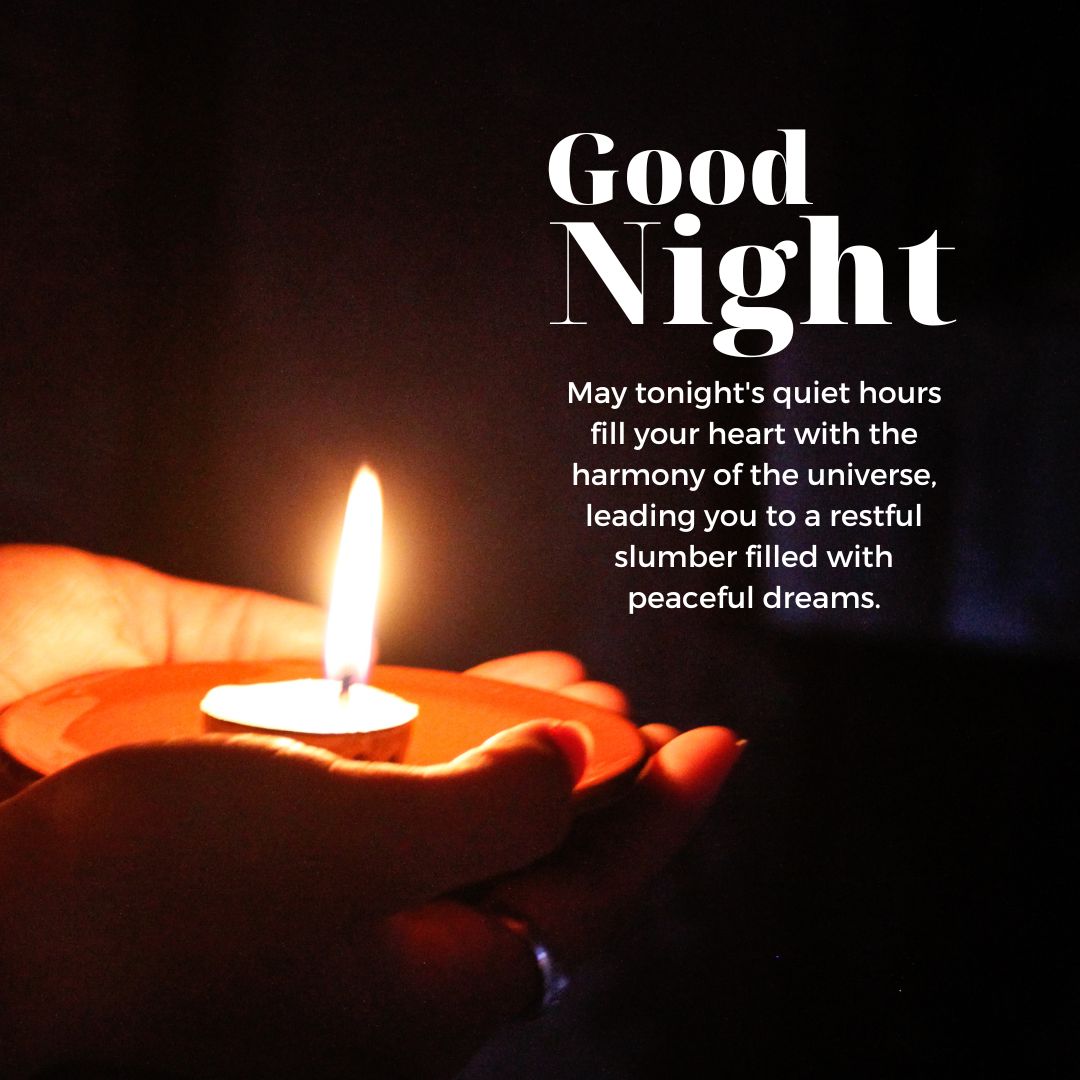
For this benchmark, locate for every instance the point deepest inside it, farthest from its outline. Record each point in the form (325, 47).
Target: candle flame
(350, 626)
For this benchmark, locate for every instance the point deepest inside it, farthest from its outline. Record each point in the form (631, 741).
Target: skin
(249, 906)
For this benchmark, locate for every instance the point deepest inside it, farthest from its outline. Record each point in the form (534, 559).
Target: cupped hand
(249, 906)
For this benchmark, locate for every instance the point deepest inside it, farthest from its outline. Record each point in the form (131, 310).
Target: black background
(248, 246)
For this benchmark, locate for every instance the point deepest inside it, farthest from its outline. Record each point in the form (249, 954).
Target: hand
(65, 613)
(250, 906)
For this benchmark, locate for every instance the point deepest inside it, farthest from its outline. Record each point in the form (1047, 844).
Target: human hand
(97, 613)
(248, 905)
(65, 612)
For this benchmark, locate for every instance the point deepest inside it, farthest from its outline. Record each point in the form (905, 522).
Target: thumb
(495, 809)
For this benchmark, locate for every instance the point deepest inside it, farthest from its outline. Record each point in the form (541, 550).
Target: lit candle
(340, 712)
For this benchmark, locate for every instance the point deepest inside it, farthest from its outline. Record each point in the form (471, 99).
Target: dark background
(247, 247)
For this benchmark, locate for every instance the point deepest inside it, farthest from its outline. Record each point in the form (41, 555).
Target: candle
(360, 722)
(339, 712)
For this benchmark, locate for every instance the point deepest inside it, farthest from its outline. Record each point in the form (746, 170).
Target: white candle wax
(309, 706)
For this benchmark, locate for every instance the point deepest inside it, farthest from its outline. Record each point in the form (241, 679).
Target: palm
(97, 613)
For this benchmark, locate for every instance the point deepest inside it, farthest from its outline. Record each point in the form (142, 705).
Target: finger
(214, 622)
(657, 735)
(340, 833)
(576, 898)
(58, 618)
(542, 670)
(421, 990)
(491, 811)
(603, 695)
(481, 975)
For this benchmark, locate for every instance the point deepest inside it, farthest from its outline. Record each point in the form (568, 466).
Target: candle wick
(347, 681)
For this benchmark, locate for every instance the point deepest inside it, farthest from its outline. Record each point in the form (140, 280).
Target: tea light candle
(339, 712)
(310, 706)
(361, 722)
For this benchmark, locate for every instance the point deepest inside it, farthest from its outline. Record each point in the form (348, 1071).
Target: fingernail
(737, 749)
(575, 742)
